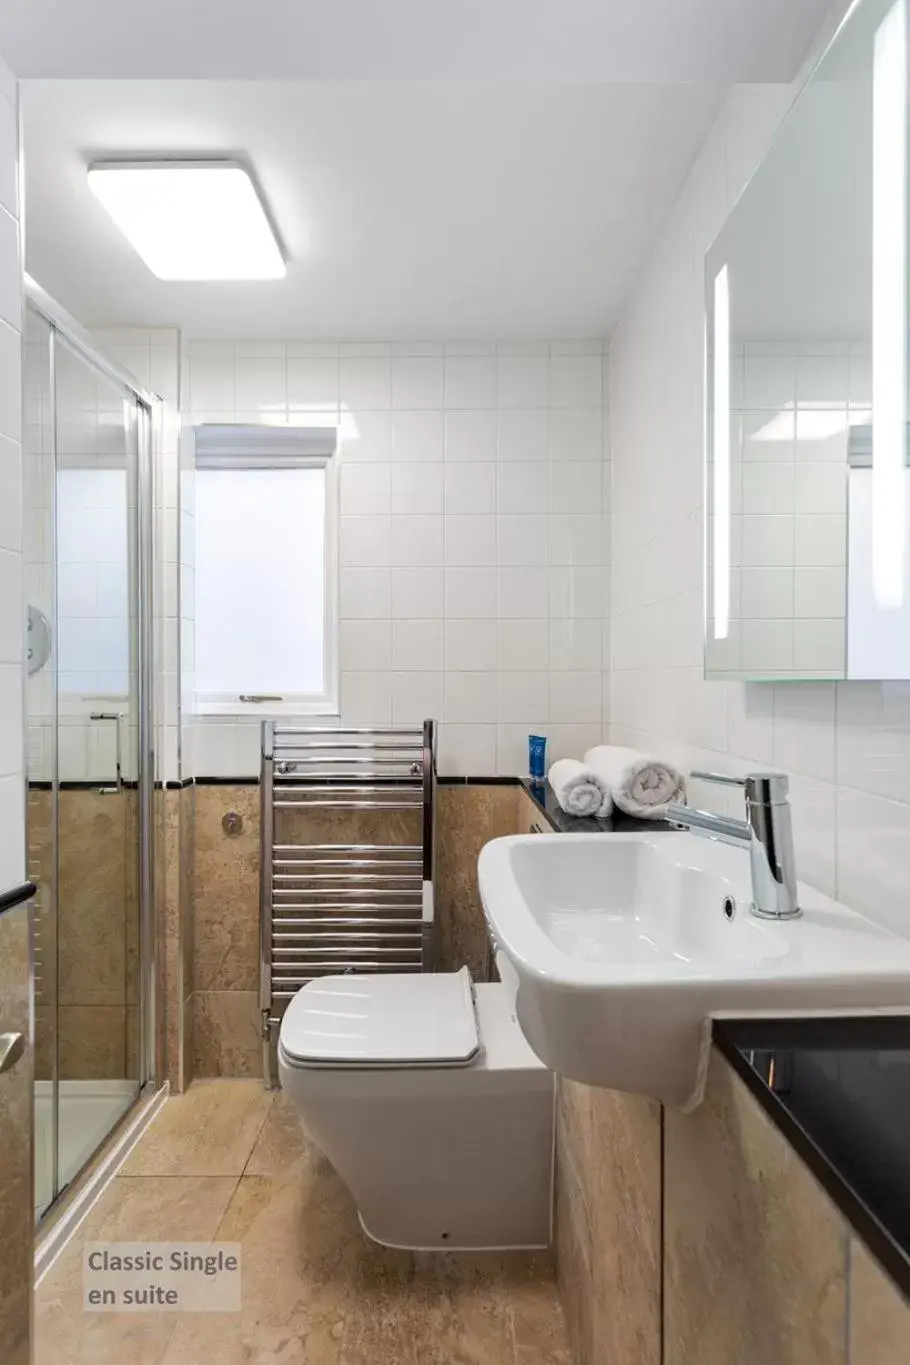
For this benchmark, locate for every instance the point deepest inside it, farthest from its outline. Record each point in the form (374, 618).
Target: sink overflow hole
(729, 907)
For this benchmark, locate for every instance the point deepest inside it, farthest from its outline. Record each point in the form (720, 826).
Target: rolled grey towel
(640, 784)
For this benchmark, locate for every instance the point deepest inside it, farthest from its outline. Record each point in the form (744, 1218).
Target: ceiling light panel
(190, 220)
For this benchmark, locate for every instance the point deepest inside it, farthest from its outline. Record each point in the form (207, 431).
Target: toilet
(423, 1093)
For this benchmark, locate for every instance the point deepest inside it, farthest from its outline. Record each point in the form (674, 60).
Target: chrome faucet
(767, 832)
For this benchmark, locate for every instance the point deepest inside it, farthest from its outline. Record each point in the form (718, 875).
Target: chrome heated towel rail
(347, 833)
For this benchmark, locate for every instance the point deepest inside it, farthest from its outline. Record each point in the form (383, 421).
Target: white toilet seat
(382, 1022)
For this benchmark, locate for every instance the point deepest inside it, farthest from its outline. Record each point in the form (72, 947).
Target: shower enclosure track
(332, 908)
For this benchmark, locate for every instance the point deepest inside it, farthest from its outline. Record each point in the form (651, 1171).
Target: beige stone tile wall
(174, 892)
(467, 818)
(225, 895)
(87, 992)
(608, 1233)
(16, 1118)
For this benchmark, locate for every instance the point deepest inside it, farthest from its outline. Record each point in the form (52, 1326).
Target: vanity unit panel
(879, 1314)
(531, 819)
(755, 1253)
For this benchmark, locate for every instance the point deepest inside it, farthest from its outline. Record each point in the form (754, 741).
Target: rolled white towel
(578, 789)
(640, 784)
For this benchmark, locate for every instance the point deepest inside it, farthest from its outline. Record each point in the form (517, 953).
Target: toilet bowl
(423, 1093)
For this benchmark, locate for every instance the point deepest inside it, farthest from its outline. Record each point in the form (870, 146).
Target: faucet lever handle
(723, 779)
(766, 787)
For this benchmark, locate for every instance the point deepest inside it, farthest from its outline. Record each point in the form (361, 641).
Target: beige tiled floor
(229, 1161)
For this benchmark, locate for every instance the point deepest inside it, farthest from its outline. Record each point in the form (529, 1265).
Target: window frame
(326, 704)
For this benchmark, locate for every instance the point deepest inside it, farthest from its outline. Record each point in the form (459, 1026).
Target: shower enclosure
(87, 568)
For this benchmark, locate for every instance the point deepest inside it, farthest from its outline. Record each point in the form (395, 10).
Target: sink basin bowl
(627, 945)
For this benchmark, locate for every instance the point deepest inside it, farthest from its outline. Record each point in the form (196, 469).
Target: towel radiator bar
(331, 908)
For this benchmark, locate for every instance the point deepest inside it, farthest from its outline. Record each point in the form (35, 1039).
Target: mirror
(807, 570)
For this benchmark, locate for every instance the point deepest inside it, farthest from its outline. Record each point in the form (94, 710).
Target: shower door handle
(116, 718)
(12, 1046)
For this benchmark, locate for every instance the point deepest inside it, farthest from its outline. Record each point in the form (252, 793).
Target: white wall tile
(524, 435)
(366, 698)
(9, 157)
(575, 696)
(523, 382)
(471, 525)
(470, 488)
(522, 539)
(468, 594)
(467, 750)
(417, 595)
(416, 697)
(470, 540)
(418, 646)
(417, 383)
(417, 436)
(520, 696)
(470, 697)
(366, 541)
(470, 646)
(417, 488)
(470, 382)
(365, 594)
(365, 646)
(312, 383)
(369, 437)
(522, 644)
(417, 540)
(365, 383)
(470, 436)
(10, 383)
(260, 384)
(575, 381)
(576, 434)
(522, 592)
(523, 487)
(365, 489)
(10, 274)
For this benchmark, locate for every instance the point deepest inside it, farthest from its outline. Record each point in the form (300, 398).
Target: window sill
(236, 710)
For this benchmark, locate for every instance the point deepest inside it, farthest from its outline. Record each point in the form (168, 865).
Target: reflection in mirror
(808, 490)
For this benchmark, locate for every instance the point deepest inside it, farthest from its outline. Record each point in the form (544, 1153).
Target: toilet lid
(413, 1020)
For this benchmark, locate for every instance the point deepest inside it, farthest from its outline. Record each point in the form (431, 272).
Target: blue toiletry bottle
(537, 757)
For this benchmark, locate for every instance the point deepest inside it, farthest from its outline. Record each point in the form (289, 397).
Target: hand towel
(579, 790)
(640, 784)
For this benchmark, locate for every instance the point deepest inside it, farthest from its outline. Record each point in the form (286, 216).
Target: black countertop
(544, 797)
(839, 1091)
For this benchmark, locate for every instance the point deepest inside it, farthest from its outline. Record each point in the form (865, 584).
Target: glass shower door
(87, 561)
(98, 689)
(41, 731)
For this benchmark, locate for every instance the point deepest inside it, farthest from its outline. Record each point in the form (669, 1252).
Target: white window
(265, 571)
(93, 624)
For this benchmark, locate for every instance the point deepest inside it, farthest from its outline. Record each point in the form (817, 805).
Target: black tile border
(441, 781)
(498, 781)
(872, 1031)
(16, 895)
(226, 781)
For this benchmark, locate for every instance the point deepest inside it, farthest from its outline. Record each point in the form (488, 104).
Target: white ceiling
(474, 202)
(578, 40)
(407, 210)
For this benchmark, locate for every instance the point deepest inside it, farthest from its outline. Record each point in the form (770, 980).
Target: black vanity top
(544, 797)
(839, 1091)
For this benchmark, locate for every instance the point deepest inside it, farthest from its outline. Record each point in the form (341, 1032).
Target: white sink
(624, 953)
